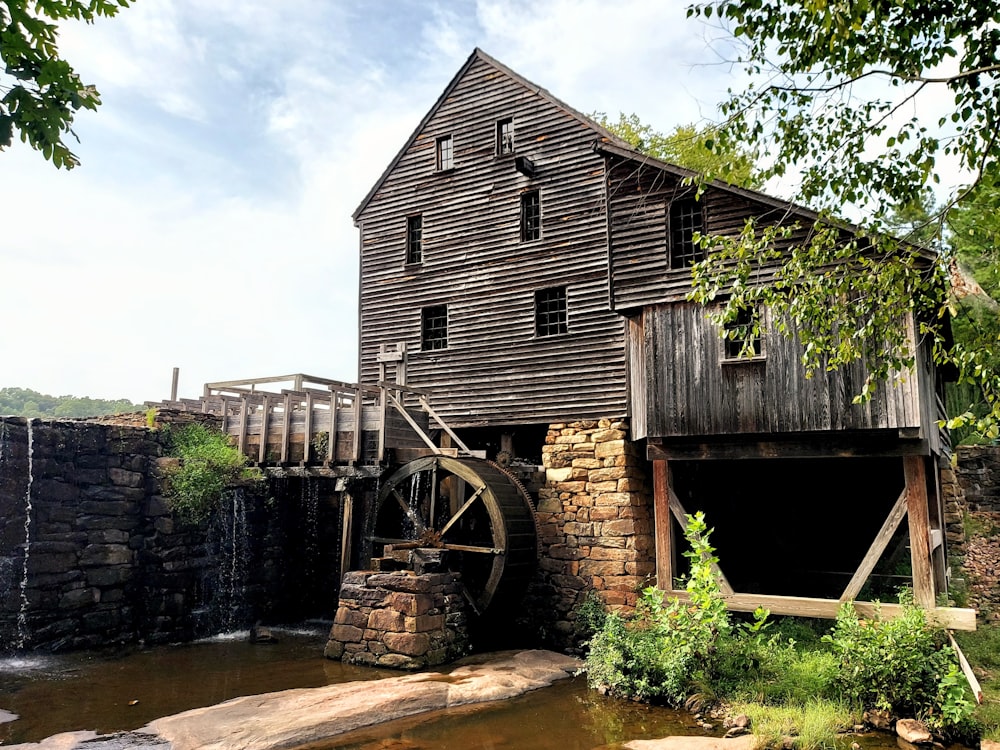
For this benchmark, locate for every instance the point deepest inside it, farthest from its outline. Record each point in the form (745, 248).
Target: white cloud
(209, 227)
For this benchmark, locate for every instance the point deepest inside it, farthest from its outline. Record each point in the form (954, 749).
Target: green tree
(41, 92)
(24, 402)
(686, 146)
(838, 103)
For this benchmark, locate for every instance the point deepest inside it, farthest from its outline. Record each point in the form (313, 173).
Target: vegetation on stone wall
(672, 651)
(208, 464)
(24, 402)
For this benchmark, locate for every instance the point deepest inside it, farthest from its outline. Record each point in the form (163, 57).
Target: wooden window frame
(731, 348)
(682, 253)
(551, 312)
(531, 215)
(433, 328)
(415, 239)
(505, 137)
(444, 153)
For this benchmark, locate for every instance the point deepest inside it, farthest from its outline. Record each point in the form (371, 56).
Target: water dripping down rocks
(22, 615)
(227, 580)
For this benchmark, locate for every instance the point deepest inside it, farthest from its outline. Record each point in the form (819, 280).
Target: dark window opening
(505, 136)
(685, 219)
(740, 342)
(445, 153)
(550, 311)
(531, 216)
(414, 239)
(434, 327)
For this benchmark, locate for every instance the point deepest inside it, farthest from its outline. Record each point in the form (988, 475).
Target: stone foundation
(399, 619)
(977, 522)
(595, 519)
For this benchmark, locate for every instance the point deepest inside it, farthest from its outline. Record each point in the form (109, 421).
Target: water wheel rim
(472, 472)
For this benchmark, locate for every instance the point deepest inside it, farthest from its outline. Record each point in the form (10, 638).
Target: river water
(127, 689)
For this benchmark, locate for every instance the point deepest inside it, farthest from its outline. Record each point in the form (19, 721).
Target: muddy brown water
(124, 691)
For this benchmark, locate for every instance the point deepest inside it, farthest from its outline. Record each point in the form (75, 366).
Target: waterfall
(310, 506)
(230, 545)
(22, 615)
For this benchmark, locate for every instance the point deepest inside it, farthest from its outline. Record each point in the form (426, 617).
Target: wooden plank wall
(638, 197)
(495, 370)
(691, 392)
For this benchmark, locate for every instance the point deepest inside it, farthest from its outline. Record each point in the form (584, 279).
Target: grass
(982, 649)
(814, 725)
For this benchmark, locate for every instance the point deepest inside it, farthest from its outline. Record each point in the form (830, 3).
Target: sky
(209, 225)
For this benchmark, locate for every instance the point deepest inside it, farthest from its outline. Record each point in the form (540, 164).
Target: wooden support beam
(678, 510)
(412, 422)
(244, 418)
(356, 449)
(951, 618)
(662, 526)
(286, 428)
(308, 429)
(915, 472)
(970, 676)
(331, 443)
(434, 415)
(874, 553)
(262, 448)
(347, 514)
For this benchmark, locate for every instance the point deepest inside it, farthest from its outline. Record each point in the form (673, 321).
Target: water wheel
(471, 508)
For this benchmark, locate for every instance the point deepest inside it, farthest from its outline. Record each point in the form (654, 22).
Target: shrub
(208, 464)
(901, 665)
(667, 646)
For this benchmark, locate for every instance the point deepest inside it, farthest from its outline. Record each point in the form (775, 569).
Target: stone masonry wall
(399, 619)
(596, 524)
(90, 553)
(976, 525)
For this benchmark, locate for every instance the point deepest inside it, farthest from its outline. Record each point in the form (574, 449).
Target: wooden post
(307, 430)
(915, 472)
(345, 539)
(663, 526)
(262, 448)
(173, 383)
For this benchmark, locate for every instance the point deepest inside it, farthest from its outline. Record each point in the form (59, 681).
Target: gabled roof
(478, 54)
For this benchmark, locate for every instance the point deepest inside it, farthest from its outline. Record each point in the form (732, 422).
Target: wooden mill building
(530, 270)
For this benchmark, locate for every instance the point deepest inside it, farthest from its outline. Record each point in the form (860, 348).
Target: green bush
(900, 665)
(668, 646)
(208, 464)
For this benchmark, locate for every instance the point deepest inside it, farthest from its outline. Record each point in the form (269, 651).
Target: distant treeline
(24, 402)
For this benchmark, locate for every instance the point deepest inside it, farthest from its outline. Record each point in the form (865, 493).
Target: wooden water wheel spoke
(397, 543)
(488, 520)
(471, 548)
(465, 507)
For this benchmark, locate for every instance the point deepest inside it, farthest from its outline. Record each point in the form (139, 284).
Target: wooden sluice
(320, 427)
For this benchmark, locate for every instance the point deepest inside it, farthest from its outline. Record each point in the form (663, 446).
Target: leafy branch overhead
(864, 107)
(41, 93)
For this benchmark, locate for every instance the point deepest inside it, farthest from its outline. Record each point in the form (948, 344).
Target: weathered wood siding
(494, 369)
(638, 200)
(692, 392)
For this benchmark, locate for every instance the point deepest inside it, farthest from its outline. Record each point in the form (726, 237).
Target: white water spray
(22, 615)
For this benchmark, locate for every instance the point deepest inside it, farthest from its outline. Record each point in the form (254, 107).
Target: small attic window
(505, 136)
(445, 153)
(685, 218)
(740, 343)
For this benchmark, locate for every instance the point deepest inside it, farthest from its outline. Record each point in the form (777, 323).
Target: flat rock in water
(6, 716)
(746, 742)
(296, 717)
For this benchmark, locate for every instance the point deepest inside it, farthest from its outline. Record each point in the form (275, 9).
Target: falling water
(22, 615)
(230, 540)
(310, 505)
